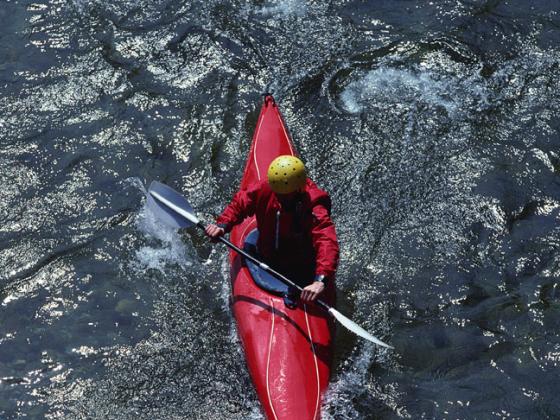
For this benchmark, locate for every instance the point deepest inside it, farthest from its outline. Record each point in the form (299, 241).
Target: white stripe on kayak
(315, 360)
(268, 361)
(257, 140)
(245, 230)
(286, 134)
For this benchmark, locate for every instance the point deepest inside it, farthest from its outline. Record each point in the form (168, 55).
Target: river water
(433, 125)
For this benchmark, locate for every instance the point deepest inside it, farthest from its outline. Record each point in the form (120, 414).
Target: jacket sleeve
(324, 239)
(241, 206)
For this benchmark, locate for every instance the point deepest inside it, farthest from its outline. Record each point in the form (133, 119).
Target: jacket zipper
(277, 241)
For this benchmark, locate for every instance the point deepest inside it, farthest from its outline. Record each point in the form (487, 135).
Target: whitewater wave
(411, 87)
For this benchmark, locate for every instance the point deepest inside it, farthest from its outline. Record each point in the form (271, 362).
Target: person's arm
(325, 242)
(241, 206)
(323, 235)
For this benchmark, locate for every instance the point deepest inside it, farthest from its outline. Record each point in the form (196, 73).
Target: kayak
(288, 351)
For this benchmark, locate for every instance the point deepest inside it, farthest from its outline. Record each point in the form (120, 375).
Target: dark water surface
(434, 126)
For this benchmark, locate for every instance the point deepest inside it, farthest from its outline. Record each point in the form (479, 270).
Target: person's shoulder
(313, 189)
(260, 188)
(317, 196)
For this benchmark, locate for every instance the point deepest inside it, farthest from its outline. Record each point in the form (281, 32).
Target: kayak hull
(288, 351)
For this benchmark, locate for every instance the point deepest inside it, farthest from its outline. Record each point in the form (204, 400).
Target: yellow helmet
(286, 174)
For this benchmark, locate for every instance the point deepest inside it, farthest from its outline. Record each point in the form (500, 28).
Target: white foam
(284, 8)
(225, 293)
(165, 245)
(350, 383)
(405, 86)
(81, 5)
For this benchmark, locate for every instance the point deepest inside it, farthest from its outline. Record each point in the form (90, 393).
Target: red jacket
(289, 237)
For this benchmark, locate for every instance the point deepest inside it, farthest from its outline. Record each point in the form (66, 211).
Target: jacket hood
(315, 194)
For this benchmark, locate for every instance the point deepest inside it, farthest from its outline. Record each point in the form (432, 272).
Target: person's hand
(214, 232)
(312, 292)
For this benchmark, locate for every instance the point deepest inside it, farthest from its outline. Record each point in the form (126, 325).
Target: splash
(350, 383)
(284, 8)
(165, 246)
(355, 381)
(414, 88)
(402, 85)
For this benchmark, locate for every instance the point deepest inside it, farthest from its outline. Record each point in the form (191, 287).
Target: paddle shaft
(265, 267)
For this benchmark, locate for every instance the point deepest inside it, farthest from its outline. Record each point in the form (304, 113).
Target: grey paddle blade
(356, 329)
(170, 207)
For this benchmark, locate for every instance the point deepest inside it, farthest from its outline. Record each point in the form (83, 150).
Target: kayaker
(296, 234)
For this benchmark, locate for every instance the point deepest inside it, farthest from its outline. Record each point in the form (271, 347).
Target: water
(434, 126)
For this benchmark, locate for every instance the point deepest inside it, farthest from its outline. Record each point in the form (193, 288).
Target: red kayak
(288, 351)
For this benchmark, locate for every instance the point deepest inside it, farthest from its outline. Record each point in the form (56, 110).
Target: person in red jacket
(296, 234)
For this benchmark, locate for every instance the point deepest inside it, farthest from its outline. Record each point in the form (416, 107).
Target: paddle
(175, 211)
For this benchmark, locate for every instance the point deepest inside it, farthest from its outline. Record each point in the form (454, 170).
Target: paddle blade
(170, 207)
(356, 329)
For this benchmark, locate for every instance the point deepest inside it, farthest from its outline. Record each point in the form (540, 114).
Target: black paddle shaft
(265, 267)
